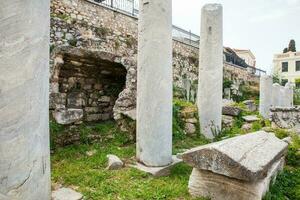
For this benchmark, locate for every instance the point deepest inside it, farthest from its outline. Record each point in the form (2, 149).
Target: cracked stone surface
(247, 157)
(219, 187)
(24, 115)
(154, 101)
(211, 70)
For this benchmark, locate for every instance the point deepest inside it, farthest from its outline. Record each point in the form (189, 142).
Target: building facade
(287, 66)
(247, 55)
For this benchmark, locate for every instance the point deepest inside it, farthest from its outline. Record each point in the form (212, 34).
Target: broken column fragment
(243, 165)
(211, 70)
(265, 95)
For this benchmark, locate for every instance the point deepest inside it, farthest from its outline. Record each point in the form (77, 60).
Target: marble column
(276, 95)
(265, 95)
(24, 103)
(289, 94)
(209, 99)
(154, 86)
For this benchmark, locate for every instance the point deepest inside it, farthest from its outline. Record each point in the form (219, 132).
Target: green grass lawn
(72, 167)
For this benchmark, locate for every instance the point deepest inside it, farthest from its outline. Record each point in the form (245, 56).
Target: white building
(247, 55)
(287, 66)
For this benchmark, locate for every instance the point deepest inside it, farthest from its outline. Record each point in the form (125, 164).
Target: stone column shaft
(24, 103)
(276, 95)
(211, 70)
(265, 96)
(154, 86)
(289, 95)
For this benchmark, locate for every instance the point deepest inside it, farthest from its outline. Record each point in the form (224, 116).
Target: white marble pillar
(289, 94)
(154, 86)
(276, 95)
(24, 103)
(283, 97)
(265, 95)
(211, 70)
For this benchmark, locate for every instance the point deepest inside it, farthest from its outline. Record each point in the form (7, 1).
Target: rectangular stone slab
(247, 157)
(203, 183)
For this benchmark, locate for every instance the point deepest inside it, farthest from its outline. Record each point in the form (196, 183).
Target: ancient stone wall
(83, 24)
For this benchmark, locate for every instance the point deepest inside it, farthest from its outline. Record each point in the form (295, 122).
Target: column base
(157, 171)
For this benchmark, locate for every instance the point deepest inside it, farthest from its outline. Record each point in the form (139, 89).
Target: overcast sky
(263, 26)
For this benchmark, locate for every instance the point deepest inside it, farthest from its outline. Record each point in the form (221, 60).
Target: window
(298, 65)
(285, 67)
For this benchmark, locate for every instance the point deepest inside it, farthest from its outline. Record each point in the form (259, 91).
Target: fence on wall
(130, 7)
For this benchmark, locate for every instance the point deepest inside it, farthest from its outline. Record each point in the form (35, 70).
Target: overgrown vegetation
(287, 184)
(246, 92)
(73, 165)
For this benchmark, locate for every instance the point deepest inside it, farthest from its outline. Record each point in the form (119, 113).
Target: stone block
(247, 157)
(231, 110)
(250, 104)
(93, 117)
(66, 194)
(104, 99)
(114, 162)
(190, 128)
(68, 116)
(227, 121)
(76, 100)
(247, 127)
(204, 183)
(251, 118)
(92, 109)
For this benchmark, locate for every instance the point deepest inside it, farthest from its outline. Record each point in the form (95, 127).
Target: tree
(292, 46)
(285, 50)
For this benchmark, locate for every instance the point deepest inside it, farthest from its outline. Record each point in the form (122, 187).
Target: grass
(287, 184)
(72, 167)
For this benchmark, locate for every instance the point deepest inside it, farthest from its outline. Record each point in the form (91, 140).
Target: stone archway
(85, 85)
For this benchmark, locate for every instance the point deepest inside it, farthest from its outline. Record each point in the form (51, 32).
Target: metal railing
(186, 37)
(256, 71)
(131, 7)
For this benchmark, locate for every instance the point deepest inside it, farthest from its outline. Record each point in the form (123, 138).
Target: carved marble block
(239, 168)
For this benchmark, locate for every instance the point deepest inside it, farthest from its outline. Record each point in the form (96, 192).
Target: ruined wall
(84, 24)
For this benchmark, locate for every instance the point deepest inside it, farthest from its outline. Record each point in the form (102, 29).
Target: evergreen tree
(292, 46)
(285, 50)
